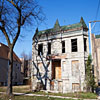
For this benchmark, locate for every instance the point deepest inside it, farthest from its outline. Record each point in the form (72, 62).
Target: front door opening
(56, 69)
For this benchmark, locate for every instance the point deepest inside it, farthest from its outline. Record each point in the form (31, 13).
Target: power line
(96, 32)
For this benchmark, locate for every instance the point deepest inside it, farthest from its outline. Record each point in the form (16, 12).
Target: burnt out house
(59, 56)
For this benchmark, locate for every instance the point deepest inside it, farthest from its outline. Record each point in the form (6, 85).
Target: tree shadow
(43, 78)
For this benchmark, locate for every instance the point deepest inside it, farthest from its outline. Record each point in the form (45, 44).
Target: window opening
(49, 48)
(63, 46)
(74, 45)
(85, 45)
(40, 49)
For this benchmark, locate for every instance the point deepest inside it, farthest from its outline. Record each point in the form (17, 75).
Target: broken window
(63, 46)
(49, 48)
(85, 45)
(74, 45)
(40, 49)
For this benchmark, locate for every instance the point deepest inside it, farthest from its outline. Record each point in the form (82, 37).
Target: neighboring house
(96, 56)
(26, 70)
(59, 56)
(4, 64)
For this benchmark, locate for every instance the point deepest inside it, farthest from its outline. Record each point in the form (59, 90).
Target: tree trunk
(10, 73)
(92, 89)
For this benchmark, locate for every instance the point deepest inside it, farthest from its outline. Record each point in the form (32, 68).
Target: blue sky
(66, 11)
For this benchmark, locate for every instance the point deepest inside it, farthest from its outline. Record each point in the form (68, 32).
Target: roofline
(13, 52)
(4, 45)
(68, 30)
(61, 29)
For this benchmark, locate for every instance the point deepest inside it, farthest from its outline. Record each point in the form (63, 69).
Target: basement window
(40, 49)
(63, 46)
(49, 48)
(74, 45)
(85, 44)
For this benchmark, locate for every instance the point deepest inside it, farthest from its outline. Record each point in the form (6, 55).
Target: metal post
(90, 29)
(90, 37)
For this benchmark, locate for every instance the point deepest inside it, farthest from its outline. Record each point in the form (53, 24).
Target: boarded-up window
(60, 86)
(56, 69)
(75, 86)
(40, 68)
(52, 85)
(75, 68)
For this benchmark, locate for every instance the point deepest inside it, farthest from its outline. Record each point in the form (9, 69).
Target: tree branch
(24, 18)
(6, 35)
(13, 3)
(19, 28)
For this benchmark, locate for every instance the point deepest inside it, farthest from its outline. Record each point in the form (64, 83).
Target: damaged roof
(58, 28)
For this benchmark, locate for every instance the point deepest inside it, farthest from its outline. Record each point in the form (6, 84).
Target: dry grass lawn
(4, 97)
(20, 89)
(26, 89)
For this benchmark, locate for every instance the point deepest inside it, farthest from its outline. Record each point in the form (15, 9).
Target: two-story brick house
(59, 55)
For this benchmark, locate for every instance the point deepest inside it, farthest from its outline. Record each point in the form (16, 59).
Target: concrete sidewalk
(30, 94)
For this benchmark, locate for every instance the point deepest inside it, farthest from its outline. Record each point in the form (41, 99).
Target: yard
(27, 90)
(20, 89)
(3, 97)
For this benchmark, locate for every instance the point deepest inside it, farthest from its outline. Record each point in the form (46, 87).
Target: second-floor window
(74, 45)
(49, 48)
(63, 46)
(40, 49)
(85, 44)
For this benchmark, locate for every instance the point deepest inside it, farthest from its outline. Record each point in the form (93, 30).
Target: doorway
(56, 69)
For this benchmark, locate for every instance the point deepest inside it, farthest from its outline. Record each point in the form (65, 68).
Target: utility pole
(95, 48)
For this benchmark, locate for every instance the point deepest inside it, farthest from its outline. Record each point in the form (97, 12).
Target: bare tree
(14, 15)
(24, 55)
(45, 64)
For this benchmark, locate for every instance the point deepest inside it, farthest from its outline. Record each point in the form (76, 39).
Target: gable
(4, 53)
